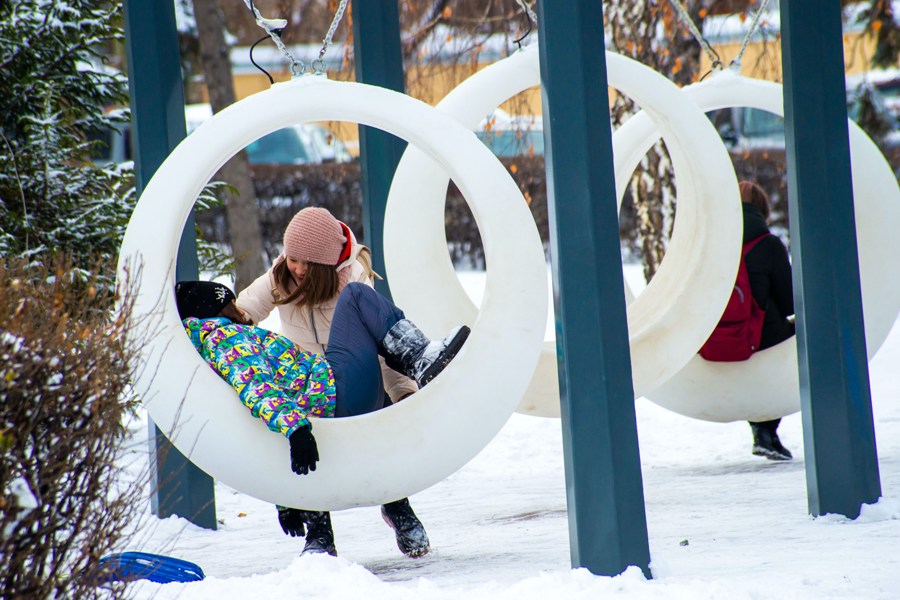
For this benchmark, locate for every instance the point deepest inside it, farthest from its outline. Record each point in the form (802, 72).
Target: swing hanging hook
(274, 28)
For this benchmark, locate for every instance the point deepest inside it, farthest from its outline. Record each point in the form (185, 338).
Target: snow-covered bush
(65, 501)
(57, 97)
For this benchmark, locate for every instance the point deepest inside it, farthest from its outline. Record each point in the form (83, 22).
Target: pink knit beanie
(314, 235)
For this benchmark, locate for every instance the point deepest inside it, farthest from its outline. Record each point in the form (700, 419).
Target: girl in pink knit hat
(322, 286)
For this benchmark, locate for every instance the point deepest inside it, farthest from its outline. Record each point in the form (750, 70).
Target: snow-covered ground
(722, 524)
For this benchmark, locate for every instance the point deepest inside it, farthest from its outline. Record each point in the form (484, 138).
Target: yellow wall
(763, 59)
(430, 83)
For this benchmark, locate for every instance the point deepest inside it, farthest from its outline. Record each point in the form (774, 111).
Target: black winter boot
(766, 442)
(319, 535)
(411, 537)
(407, 350)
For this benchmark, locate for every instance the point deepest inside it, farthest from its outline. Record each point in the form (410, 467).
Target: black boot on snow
(411, 537)
(319, 535)
(767, 444)
(407, 350)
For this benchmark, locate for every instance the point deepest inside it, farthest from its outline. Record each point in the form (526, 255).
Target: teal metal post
(379, 61)
(157, 125)
(607, 523)
(838, 429)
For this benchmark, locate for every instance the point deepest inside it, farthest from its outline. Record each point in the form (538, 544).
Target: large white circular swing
(674, 316)
(374, 458)
(767, 385)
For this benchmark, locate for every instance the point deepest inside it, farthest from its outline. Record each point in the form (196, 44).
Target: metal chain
(274, 27)
(753, 26)
(686, 17)
(319, 63)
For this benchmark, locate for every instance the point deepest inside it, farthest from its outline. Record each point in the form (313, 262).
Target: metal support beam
(379, 61)
(157, 118)
(607, 523)
(838, 429)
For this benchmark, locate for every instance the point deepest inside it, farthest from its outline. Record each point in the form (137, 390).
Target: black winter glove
(304, 452)
(291, 521)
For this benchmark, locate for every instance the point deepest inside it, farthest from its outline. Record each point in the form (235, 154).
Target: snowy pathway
(722, 524)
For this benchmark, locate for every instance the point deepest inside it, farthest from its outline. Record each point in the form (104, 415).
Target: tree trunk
(240, 207)
(653, 34)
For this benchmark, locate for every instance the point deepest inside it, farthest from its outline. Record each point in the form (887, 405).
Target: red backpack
(737, 335)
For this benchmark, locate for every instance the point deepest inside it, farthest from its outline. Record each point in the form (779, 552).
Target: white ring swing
(767, 385)
(374, 458)
(674, 316)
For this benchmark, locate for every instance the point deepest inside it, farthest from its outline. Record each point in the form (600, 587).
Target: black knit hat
(201, 299)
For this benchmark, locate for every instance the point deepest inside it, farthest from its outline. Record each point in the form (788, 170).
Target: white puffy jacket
(309, 328)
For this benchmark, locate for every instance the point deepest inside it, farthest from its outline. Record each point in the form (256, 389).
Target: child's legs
(361, 320)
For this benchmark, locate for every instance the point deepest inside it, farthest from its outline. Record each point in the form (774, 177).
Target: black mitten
(291, 521)
(304, 452)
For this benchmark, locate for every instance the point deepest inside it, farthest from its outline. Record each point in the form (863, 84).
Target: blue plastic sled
(131, 566)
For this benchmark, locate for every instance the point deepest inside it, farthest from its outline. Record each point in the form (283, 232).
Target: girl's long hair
(365, 259)
(320, 284)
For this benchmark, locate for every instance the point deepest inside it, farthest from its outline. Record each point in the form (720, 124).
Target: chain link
(274, 27)
(753, 26)
(338, 15)
(686, 17)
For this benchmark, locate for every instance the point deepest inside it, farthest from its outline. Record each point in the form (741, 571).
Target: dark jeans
(361, 320)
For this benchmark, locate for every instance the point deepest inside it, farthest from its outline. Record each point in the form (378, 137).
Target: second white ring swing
(670, 321)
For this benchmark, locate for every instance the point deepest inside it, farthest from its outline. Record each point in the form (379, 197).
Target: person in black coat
(770, 283)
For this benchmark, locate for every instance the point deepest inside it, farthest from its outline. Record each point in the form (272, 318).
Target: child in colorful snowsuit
(278, 383)
(321, 259)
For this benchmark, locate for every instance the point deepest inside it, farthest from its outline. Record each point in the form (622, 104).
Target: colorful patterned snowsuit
(279, 383)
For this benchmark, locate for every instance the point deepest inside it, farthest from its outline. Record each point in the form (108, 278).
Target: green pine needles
(58, 96)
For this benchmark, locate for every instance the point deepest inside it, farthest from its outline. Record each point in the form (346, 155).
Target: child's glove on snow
(304, 452)
(291, 521)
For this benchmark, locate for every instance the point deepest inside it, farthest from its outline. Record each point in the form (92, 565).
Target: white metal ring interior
(674, 316)
(382, 456)
(767, 385)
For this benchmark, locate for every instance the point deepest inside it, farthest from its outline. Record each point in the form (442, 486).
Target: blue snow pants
(362, 318)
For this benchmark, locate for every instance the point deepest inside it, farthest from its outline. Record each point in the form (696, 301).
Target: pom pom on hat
(201, 299)
(314, 235)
